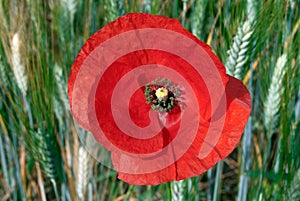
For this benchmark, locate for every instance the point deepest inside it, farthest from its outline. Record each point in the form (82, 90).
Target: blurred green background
(41, 155)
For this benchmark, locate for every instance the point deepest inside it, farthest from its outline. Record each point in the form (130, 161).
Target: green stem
(184, 12)
(128, 193)
(55, 189)
(169, 191)
(218, 181)
(262, 172)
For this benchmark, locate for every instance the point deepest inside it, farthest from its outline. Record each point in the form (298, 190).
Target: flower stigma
(161, 93)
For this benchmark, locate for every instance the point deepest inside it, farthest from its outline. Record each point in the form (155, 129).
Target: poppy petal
(106, 86)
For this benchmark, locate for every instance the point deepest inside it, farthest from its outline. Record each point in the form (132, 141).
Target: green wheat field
(41, 155)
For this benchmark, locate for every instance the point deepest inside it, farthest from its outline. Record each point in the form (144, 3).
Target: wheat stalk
(272, 103)
(247, 136)
(198, 17)
(297, 107)
(40, 182)
(3, 75)
(4, 165)
(237, 55)
(61, 86)
(17, 66)
(184, 10)
(58, 109)
(177, 189)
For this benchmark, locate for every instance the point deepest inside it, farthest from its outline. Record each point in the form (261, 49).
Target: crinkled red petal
(195, 160)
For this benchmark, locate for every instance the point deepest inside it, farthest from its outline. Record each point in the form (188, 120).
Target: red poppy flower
(106, 92)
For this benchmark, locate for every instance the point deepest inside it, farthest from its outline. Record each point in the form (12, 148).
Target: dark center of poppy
(162, 95)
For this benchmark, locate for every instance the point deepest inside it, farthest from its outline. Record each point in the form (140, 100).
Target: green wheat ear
(272, 103)
(18, 65)
(237, 55)
(85, 164)
(177, 189)
(114, 9)
(198, 18)
(45, 150)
